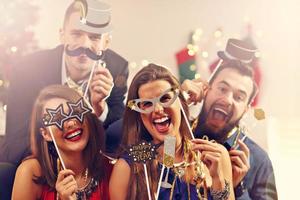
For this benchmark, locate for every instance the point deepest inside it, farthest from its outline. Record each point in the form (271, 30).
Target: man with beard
(84, 41)
(226, 98)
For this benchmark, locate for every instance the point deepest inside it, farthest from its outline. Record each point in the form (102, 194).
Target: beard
(220, 135)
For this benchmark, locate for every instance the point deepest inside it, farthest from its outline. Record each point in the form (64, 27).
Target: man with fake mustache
(84, 37)
(226, 98)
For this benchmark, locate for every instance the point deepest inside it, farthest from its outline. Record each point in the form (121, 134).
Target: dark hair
(134, 130)
(242, 69)
(43, 151)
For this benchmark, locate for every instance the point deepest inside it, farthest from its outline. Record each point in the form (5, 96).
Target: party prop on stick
(89, 80)
(56, 147)
(169, 151)
(235, 50)
(168, 161)
(147, 181)
(141, 153)
(200, 176)
(57, 117)
(95, 17)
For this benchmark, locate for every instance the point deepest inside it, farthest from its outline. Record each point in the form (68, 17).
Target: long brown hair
(134, 130)
(43, 150)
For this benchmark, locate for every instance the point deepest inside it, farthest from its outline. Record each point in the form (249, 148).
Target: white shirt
(64, 80)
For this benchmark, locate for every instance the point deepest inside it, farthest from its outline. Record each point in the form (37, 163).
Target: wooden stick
(147, 181)
(57, 150)
(160, 179)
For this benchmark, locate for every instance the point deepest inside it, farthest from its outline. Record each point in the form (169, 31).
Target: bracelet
(221, 194)
(240, 189)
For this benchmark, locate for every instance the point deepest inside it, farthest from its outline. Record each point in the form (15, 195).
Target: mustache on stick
(82, 50)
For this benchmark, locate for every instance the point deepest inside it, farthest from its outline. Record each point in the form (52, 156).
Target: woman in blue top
(153, 111)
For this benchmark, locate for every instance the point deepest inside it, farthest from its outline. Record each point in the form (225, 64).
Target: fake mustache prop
(82, 50)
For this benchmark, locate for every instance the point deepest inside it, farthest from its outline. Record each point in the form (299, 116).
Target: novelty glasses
(166, 99)
(57, 116)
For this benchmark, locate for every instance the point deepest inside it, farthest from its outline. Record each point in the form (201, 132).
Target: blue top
(259, 182)
(180, 188)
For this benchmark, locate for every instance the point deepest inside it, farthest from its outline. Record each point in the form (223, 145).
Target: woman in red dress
(60, 114)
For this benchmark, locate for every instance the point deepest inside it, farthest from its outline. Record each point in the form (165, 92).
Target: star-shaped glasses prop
(78, 110)
(57, 116)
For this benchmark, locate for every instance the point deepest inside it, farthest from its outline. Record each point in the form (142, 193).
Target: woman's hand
(66, 185)
(217, 160)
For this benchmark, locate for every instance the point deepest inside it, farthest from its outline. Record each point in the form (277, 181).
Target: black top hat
(238, 50)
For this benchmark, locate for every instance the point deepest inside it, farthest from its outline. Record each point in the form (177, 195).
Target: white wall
(156, 29)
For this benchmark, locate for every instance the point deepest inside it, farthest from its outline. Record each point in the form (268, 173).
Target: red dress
(100, 193)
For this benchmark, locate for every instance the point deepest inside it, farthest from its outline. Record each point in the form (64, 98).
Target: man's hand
(66, 185)
(100, 88)
(196, 89)
(240, 163)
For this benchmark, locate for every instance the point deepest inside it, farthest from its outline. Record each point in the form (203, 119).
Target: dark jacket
(34, 72)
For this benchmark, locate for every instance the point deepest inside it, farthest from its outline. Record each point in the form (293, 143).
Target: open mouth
(219, 114)
(74, 135)
(162, 124)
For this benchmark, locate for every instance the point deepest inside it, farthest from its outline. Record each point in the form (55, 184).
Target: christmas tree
(16, 36)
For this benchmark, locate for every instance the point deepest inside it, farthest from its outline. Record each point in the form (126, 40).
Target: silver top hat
(95, 16)
(238, 50)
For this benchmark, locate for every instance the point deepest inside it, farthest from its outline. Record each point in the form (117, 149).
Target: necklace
(85, 178)
(87, 191)
(88, 188)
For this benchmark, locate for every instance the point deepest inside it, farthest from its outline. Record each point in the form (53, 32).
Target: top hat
(238, 50)
(95, 16)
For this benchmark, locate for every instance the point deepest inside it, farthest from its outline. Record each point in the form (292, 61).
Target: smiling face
(227, 100)
(80, 66)
(74, 135)
(161, 121)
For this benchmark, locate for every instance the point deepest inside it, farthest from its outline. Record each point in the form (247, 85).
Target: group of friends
(70, 136)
